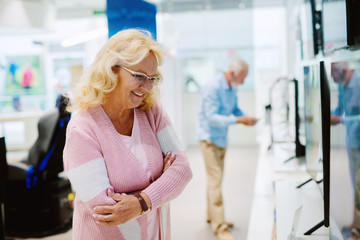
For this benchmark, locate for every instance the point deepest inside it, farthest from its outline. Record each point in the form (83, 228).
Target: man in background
(347, 113)
(218, 110)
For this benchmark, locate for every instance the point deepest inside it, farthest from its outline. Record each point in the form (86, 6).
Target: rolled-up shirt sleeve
(211, 107)
(237, 111)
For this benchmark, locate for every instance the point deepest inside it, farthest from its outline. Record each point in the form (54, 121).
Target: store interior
(291, 47)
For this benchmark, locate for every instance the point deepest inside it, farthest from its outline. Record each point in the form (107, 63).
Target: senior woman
(122, 155)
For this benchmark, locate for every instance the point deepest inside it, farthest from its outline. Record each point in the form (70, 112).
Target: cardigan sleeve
(85, 167)
(171, 183)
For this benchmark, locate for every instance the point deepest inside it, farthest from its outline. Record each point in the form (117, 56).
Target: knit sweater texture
(96, 159)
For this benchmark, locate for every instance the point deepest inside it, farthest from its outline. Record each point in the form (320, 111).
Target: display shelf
(288, 199)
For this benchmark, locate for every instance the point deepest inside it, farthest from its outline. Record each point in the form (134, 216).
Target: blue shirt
(218, 110)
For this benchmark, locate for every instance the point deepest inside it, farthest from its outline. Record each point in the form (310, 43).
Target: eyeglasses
(142, 78)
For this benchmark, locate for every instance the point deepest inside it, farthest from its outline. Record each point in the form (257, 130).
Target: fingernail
(169, 162)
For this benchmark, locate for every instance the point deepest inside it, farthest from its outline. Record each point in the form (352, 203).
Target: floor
(239, 192)
(238, 186)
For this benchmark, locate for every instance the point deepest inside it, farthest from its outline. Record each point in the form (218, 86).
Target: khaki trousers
(214, 163)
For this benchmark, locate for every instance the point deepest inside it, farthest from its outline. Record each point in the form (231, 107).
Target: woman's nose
(147, 85)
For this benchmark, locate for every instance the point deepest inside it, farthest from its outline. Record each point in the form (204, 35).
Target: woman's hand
(169, 158)
(126, 208)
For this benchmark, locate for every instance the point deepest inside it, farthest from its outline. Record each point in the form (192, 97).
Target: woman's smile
(137, 94)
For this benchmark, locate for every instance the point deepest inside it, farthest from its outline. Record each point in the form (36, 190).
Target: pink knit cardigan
(96, 159)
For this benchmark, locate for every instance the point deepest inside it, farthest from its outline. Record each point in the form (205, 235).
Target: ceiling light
(84, 37)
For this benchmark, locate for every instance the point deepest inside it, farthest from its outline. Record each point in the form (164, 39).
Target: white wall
(256, 35)
(270, 57)
(207, 29)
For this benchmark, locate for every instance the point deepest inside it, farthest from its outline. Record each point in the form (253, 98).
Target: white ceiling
(196, 5)
(81, 7)
(67, 9)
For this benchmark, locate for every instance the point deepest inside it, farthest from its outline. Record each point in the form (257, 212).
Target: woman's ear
(115, 69)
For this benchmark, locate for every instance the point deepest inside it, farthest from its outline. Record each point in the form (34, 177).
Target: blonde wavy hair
(125, 48)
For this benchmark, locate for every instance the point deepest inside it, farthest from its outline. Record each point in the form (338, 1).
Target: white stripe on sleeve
(164, 213)
(89, 179)
(169, 141)
(131, 230)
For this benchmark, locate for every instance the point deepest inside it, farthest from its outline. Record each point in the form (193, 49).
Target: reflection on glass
(313, 122)
(345, 147)
(334, 24)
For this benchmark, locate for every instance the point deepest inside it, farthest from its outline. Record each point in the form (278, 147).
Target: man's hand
(309, 118)
(335, 119)
(248, 121)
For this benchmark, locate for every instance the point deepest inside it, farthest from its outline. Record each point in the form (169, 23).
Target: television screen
(334, 24)
(353, 22)
(341, 20)
(311, 29)
(313, 155)
(325, 139)
(345, 147)
(317, 125)
(306, 29)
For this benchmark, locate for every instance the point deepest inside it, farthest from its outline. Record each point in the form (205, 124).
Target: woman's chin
(136, 105)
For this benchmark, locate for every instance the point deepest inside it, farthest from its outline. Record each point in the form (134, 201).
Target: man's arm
(211, 105)
(246, 120)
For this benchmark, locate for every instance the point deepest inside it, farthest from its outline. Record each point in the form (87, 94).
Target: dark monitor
(317, 114)
(311, 29)
(3, 176)
(325, 129)
(299, 133)
(341, 21)
(353, 23)
(345, 146)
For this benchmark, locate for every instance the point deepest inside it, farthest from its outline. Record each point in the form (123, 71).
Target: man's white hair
(237, 66)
